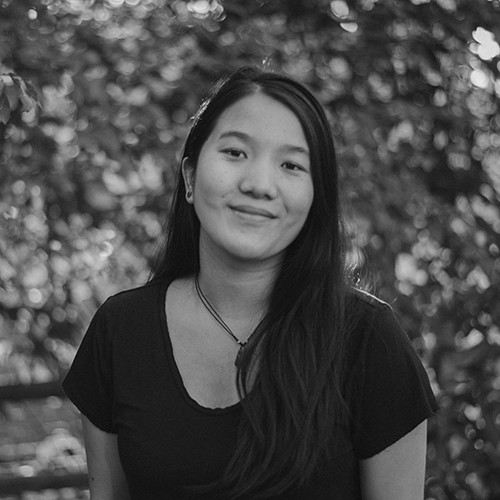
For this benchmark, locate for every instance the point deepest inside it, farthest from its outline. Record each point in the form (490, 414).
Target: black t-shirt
(124, 379)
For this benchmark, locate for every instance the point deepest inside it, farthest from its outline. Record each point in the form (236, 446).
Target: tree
(412, 87)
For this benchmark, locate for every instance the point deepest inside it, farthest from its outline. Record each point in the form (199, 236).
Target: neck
(236, 292)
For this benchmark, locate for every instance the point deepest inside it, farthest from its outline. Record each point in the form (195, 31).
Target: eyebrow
(245, 137)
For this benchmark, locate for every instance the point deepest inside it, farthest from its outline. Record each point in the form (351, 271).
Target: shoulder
(128, 321)
(367, 301)
(374, 324)
(132, 300)
(366, 311)
(130, 312)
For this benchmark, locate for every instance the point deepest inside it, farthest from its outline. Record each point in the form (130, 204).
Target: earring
(189, 195)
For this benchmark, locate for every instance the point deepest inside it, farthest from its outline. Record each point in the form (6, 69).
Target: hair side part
(291, 379)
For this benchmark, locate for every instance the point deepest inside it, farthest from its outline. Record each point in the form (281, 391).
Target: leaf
(12, 92)
(4, 110)
(6, 79)
(29, 97)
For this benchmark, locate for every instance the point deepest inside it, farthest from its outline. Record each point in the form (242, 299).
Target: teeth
(250, 211)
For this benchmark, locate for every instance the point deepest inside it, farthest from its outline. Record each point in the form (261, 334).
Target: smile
(253, 211)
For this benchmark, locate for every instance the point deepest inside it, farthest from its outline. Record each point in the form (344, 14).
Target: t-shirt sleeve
(89, 382)
(393, 393)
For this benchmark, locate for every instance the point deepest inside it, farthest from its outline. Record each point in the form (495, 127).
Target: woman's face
(252, 186)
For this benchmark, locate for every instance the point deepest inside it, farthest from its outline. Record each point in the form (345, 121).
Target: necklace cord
(211, 309)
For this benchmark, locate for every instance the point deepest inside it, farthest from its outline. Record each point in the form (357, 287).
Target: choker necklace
(211, 309)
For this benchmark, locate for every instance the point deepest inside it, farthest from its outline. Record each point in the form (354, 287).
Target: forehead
(263, 118)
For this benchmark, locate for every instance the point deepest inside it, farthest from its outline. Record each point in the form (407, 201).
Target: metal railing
(54, 480)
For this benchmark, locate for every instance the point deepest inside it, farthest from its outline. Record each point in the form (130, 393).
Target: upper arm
(106, 477)
(398, 472)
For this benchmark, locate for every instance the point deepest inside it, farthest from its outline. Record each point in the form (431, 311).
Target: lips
(250, 210)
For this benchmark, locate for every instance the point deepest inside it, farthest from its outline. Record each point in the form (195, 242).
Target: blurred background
(95, 101)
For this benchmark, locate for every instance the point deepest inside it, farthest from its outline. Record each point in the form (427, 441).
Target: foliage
(16, 95)
(413, 89)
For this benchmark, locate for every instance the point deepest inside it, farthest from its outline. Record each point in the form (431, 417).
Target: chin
(255, 255)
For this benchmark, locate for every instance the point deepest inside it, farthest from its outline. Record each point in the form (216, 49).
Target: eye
(233, 152)
(293, 167)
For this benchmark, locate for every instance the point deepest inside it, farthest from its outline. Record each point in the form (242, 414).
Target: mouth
(255, 211)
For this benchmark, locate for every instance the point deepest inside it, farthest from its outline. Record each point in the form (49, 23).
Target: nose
(259, 179)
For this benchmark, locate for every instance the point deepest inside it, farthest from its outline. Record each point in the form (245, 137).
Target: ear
(188, 176)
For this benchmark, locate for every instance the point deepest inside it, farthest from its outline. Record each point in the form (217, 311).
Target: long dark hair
(292, 374)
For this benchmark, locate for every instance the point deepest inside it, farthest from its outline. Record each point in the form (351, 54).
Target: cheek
(210, 189)
(304, 202)
(302, 220)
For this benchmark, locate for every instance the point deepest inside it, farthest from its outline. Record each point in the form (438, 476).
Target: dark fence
(12, 485)
(18, 485)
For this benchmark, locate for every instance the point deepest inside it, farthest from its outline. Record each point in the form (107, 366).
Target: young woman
(248, 366)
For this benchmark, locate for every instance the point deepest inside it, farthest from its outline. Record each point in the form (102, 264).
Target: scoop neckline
(174, 369)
